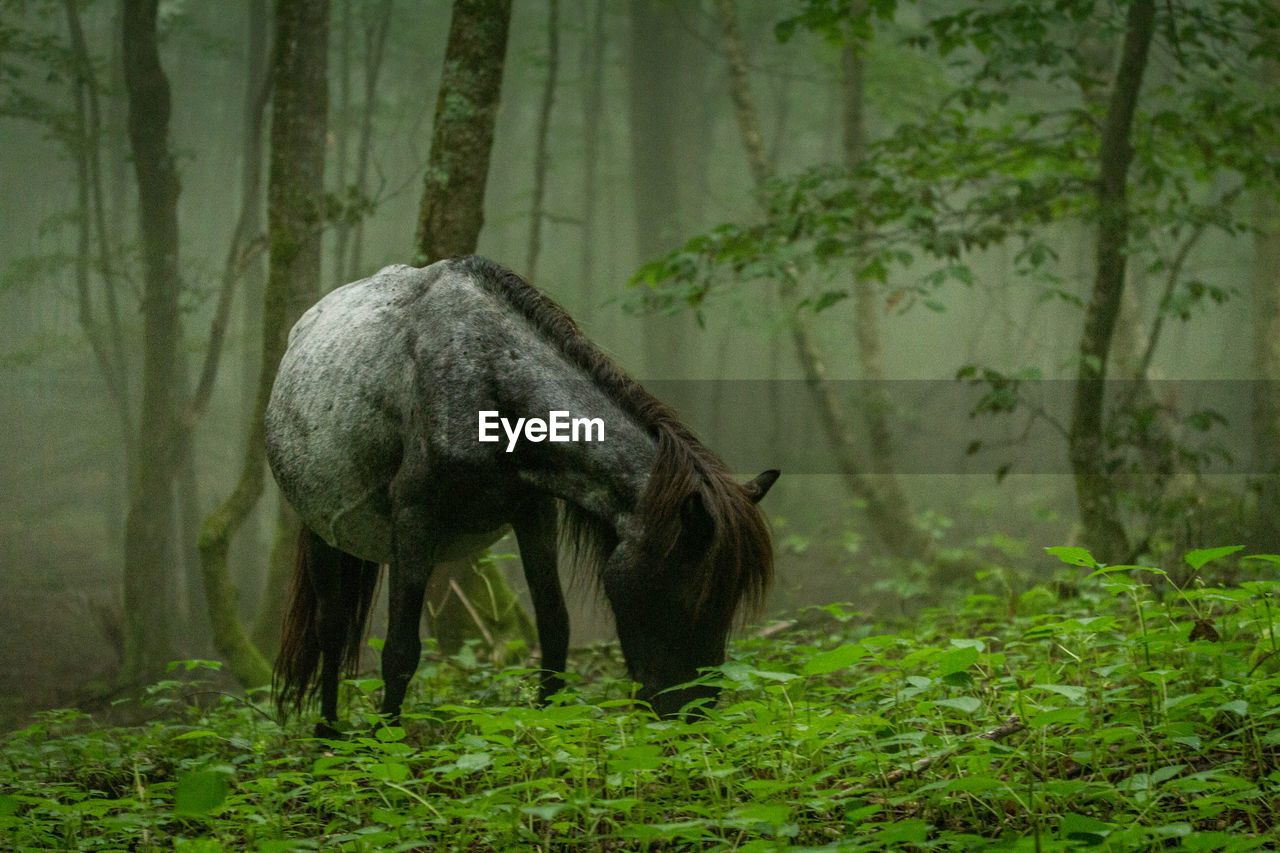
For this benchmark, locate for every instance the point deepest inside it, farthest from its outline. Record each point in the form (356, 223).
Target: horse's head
(677, 580)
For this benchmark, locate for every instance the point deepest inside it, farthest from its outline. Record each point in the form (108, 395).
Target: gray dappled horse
(372, 434)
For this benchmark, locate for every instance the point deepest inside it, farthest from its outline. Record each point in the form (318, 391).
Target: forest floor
(1125, 710)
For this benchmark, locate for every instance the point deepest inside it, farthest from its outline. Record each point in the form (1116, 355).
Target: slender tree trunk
(541, 157)
(101, 326)
(655, 125)
(592, 100)
(449, 223)
(866, 306)
(1266, 350)
(149, 547)
(341, 143)
(245, 258)
(1103, 530)
(375, 42)
(887, 507)
(295, 190)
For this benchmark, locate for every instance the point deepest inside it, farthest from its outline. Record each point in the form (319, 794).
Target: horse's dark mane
(738, 566)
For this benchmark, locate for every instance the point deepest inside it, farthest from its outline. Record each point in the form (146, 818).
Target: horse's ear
(759, 487)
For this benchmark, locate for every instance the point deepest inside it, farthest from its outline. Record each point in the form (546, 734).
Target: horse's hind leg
(536, 534)
(412, 550)
(325, 565)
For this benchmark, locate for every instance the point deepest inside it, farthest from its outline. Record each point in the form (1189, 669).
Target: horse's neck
(605, 478)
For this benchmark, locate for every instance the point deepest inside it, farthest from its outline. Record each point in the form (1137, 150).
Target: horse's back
(334, 425)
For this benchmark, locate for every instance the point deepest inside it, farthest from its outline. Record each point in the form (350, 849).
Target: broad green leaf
(1057, 716)
(8, 805)
(1071, 691)
(545, 812)
(392, 771)
(1198, 558)
(474, 761)
(957, 660)
(1073, 556)
(837, 658)
(200, 792)
(1084, 828)
(965, 704)
(773, 814)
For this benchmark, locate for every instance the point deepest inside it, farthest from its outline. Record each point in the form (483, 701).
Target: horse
(373, 433)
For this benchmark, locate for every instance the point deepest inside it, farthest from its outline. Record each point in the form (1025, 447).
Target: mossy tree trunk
(295, 188)
(449, 222)
(1266, 349)
(1102, 528)
(149, 551)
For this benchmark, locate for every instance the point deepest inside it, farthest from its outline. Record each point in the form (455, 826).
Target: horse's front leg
(535, 529)
(410, 569)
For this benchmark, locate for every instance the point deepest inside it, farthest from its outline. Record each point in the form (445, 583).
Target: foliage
(1008, 150)
(1146, 719)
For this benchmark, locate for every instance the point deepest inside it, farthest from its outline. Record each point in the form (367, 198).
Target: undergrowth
(1133, 714)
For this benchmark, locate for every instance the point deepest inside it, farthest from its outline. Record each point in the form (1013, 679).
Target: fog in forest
(865, 256)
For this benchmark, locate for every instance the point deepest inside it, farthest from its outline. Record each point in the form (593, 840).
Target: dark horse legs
(411, 565)
(535, 530)
(342, 586)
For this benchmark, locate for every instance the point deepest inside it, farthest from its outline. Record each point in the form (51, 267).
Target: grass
(1136, 714)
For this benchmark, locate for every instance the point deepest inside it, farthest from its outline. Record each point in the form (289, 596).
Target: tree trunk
(245, 258)
(887, 507)
(351, 228)
(149, 548)
(449, 222)
(375, 42)
(866, 306)
(452, 209)
(1266, 352)
(592, 99)
(540, 156)
(1103, 531)
(655, 83)
(295, 190)
(341, 143)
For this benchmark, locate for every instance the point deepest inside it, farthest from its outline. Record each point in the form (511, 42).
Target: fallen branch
(1013, 725)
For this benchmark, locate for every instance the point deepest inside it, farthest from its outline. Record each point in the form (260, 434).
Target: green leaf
(8, 805)
(474, 761)
(829, 298)
(546, 812)
(1073, 556)
(1198, 558)
(1084, 828)
(1057, 715)
(964, 704)
(837, 658)
(200, 792)
(1071, 691)
(762, 813)
(957, 660)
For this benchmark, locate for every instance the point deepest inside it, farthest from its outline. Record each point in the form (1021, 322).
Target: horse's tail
(329, 605)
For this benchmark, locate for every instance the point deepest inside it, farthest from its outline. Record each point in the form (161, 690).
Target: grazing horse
(373, 433)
